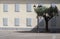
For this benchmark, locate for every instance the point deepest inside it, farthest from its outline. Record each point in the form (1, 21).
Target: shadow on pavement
(42, 31)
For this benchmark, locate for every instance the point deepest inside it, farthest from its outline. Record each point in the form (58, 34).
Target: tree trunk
(46, 21)
(46, 26)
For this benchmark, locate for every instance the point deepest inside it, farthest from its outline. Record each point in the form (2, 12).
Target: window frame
(15, 22)
(5, 21)
(17, 7)
(29, 22)
(5, 7)
(29, 7)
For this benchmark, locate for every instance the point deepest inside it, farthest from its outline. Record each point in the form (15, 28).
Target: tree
(46, 13)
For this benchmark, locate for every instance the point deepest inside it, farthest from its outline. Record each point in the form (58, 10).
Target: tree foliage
(40, 10)
(51, 11)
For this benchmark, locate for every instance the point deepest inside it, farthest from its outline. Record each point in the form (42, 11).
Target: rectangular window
(17, 7)
(16, 21)
(28, 7)
(29, 21)
(5, 7)
(5, 22)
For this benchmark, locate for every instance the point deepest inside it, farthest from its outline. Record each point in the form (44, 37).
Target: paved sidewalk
(18, 35)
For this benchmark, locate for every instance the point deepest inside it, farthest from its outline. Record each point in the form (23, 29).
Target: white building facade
(20, 15)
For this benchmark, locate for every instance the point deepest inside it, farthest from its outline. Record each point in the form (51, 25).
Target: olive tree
(46, 13)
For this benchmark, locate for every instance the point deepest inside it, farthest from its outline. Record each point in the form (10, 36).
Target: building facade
(20, 15)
